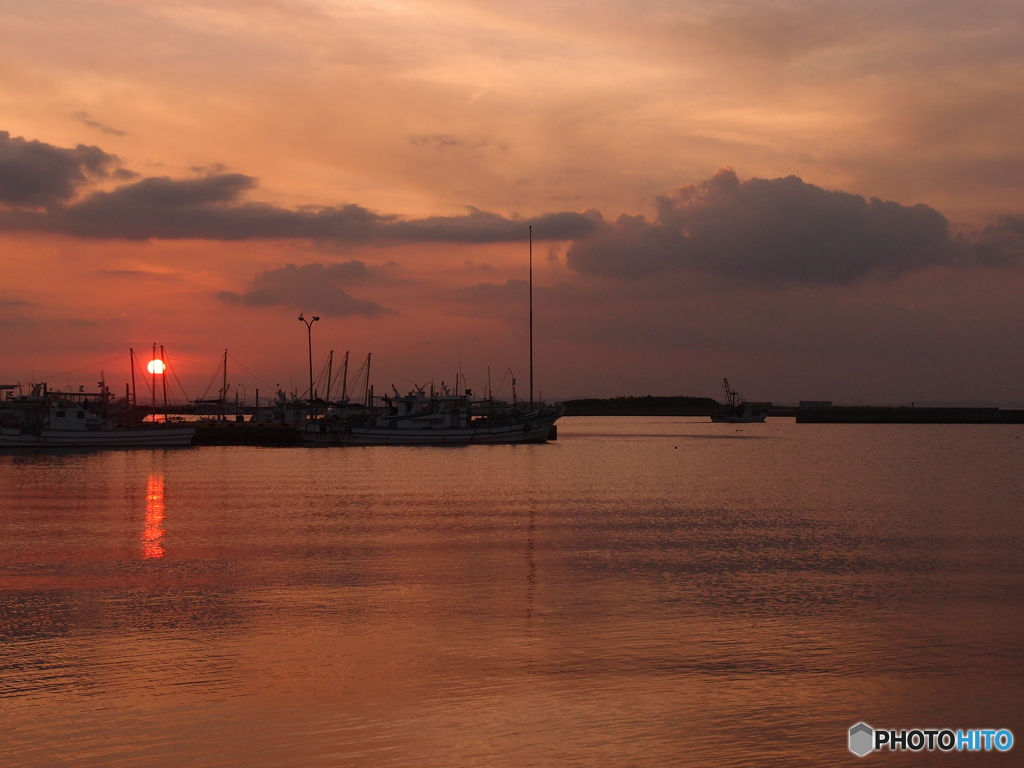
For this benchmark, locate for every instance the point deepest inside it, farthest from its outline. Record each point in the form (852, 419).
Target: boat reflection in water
(153, 534)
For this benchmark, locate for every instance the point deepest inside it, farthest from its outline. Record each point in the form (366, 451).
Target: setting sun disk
(156, 366)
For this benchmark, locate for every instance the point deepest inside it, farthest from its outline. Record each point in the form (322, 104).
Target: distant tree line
(642, 406)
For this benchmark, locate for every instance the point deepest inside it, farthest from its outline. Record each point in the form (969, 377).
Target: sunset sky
(818, 200)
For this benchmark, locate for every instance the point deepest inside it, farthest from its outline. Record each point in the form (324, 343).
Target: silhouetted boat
(737, 410)
(45, 419)
(434, 419)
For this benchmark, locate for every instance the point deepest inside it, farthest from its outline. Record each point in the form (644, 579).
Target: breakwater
(854, 414)
(907, 415)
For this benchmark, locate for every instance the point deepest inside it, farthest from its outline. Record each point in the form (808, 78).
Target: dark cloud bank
(760, 230)
(35, 175)
(313, 285)
(785, 230)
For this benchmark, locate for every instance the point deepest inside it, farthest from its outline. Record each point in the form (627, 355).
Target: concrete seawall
(908, 415)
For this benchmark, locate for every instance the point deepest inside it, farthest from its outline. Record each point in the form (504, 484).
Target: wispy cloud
(87, 119)
(443, 141)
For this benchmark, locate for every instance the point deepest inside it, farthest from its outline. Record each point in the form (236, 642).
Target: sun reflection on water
(153, 535)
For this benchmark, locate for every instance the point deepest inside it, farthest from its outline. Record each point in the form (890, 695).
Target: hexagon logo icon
(862, 737)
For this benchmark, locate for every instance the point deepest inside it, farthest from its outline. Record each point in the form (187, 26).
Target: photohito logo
(865, 739)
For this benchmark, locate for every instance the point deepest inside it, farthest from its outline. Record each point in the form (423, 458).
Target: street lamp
(309, 338)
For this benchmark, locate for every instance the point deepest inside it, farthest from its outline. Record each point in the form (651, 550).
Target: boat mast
(330, 366)
(224, 388)
(368, 356)
(344, 379)
(154, 381)
(531, 317)
(163, 380)
(135, 400)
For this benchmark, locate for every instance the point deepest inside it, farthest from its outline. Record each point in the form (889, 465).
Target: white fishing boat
(419, 418)
(46, 419)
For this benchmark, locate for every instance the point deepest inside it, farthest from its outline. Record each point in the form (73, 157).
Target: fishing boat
(737, 410)
(438, 418)
(47, 419)
(444, 418)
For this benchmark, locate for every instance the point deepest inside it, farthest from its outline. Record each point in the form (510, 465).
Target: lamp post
(309, 339)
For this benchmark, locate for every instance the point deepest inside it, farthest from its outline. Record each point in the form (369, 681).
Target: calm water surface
(642, 592)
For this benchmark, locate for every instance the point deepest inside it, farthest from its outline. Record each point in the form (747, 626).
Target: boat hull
(324, 433)
(111, 438)
(756, 419)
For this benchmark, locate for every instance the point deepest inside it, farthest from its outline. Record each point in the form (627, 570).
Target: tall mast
(531, 317)
(163, 379)
(330, 365)
(224, 388)
(154, 381)
(368, 356)
(135, 400)
(344, 379)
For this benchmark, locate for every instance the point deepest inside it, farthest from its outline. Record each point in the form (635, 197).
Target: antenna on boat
(531, 317)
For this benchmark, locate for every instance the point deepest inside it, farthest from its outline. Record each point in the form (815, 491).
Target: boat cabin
(66, 415)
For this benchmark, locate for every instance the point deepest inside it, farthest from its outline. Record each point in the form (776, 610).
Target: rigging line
(398, 374)
(146, 378)
(83, 368)
(175, 375)
(498, 390)
(321, 377)
(216, 373)
(261, 381)
(355, 377)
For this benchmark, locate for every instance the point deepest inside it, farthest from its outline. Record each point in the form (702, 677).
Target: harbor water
(641, 592)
